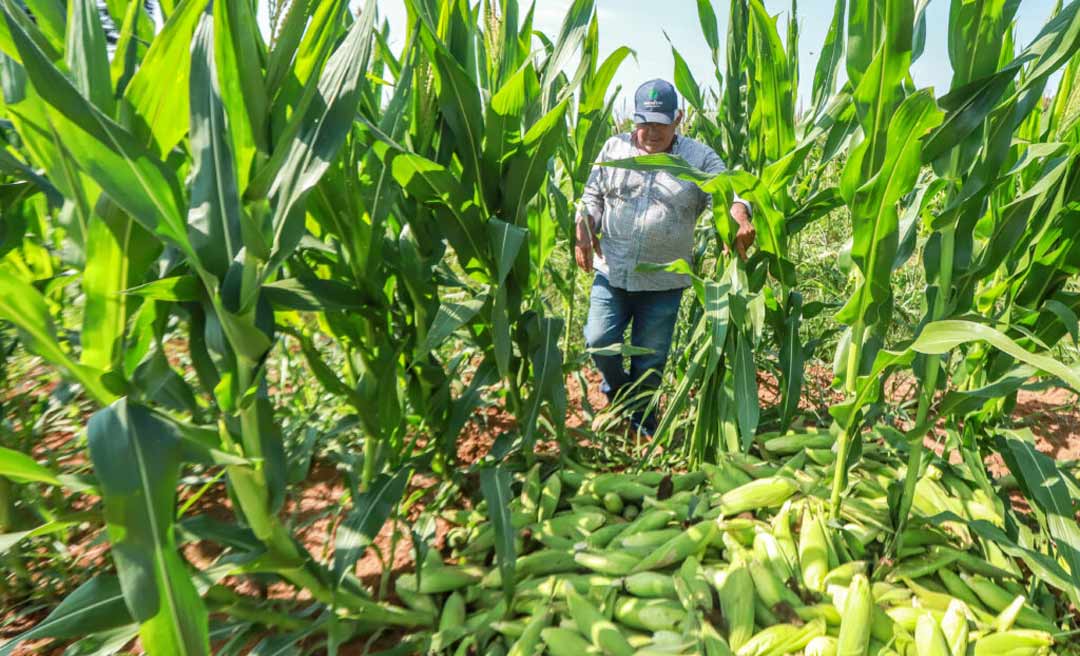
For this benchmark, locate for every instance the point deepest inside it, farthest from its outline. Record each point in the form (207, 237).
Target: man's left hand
(746, 234)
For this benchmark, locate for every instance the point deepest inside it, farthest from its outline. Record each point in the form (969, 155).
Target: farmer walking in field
(627, 218)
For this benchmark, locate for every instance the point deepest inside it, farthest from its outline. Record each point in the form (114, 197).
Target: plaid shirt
(645, 216)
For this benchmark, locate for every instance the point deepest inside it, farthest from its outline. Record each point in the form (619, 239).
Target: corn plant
(145, 166)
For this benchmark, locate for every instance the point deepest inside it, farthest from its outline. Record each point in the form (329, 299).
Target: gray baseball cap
(655, 102)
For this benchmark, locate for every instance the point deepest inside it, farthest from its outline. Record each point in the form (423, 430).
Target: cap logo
(654, 94)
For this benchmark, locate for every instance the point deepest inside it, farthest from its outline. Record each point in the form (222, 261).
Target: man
(627, 218)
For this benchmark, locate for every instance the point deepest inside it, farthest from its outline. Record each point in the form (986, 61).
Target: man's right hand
(586, 243)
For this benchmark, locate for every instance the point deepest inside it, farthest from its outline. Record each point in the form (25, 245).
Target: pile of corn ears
(736, 558)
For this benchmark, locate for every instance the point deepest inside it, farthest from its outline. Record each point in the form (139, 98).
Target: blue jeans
(652, 315)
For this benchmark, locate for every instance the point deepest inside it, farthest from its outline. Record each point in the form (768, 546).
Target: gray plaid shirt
(645, 216)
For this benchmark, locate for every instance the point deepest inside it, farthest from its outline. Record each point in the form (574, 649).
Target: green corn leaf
(239, 53)
(132, 177)
(495, 486)
(161, 113)
(709, 27)
(24, 306)
(961, 402)
(136, 459)
(503, 123)
(21, 468)
(918, 34)
(546, 358)
(26, 24)
(673, 164)
(874, 214)
(177, 289)
(829, 60)
(772, 120)
(792, 360)
(214, 213)
(1044, 484)
(428, 182)
(1042, 565)
(118, 253)
(309, 294)
(542, 227)
(127, 47)
(528, 166)
(863, 38)
(571, 36)
(736, 79)
(324, 128)
(9, 540)
(159, 383)
(287, 40)
(370, 511)
(815, 207)
(448, 319)
(1067, 317)
(93, 607)
(49, 17)
(595, 90)
(685, 82)
(326, 376)
(868, 387)
(943, 336)
(462, 408)
(86, 55)
(746, 392)
(969, 104)
(459, 100)
(621, 349)
(321, 33)
(505, 243)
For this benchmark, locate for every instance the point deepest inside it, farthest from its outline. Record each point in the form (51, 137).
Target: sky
(641, 25)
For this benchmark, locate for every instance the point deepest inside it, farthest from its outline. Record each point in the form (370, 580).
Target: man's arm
(590, 214)
(739, 210)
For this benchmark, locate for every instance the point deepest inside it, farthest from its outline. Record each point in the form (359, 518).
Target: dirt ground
(1053, 416)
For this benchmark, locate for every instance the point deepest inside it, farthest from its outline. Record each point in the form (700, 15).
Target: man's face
(656, 137)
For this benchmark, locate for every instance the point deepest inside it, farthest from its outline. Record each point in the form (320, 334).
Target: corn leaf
(161, 113)
(874, 214)
(238, 53)
(448, 319)
(571, 35)
(118, 253)
(24, 306)
(21, 468)
(495, 486)
(772, 120)
(136, 459)
(214, 212)
(528, 166)
(943, 336)
(546, 358)
(324, 127)
(829, 60)
(87, 56)
(132, 176)
(1044, 484)
(370, 511)
(95, 606)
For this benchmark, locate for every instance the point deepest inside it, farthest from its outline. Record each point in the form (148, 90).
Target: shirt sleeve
(592, 197)
(713, 165)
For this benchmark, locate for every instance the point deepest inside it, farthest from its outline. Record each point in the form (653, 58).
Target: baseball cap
(655, 102)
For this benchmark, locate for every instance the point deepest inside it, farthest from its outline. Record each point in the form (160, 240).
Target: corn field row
(229, 245)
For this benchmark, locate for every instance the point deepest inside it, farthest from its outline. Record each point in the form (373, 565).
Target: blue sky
(640, 25)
